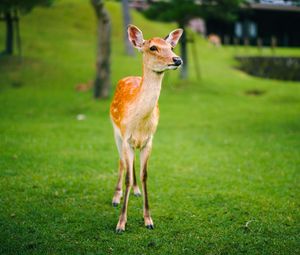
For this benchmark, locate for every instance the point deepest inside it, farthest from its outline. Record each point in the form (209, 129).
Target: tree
(102, 83)
(181, 11)
(9, 11)
(126, 21)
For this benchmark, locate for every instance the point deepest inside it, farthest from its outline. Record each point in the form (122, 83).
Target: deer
(134, 114)
(214, 40)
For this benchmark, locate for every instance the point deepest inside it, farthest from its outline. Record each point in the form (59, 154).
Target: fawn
(134, 113)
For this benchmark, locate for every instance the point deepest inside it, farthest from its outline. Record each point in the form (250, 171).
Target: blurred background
(224, 171)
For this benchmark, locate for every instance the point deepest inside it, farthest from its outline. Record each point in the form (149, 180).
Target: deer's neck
(150, 91)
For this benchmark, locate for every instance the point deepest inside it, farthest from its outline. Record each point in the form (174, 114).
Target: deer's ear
(174, 37)
(135, 36)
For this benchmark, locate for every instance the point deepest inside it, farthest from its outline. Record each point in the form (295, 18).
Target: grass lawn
(224, 171)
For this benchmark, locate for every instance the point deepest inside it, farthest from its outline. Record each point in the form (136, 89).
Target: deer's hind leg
(118, 190)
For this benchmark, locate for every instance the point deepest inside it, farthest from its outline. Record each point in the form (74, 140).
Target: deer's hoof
(117, 198)
(150, 226)
(136, 191)
(148, 222)
(120, 230)
(138, 194)
(121, 226)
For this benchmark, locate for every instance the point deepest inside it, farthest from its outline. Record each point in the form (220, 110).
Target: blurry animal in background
(82, 87)
(214, 40)
(134, 114)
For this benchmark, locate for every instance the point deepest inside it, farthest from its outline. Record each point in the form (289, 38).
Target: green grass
(223, 175)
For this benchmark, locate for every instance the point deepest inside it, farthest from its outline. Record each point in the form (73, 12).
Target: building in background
(267, 22)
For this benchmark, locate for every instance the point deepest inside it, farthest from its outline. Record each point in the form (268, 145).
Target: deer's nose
(177, 61)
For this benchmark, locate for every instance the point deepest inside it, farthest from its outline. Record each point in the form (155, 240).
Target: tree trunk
(126, 21)
(102, 83)
(18, 36)
(183, 53)
(9, 44)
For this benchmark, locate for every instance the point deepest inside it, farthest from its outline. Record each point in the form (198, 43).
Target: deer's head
(158, 53)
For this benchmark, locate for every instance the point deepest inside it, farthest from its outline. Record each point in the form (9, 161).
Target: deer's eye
(153, 48)
(172, 48)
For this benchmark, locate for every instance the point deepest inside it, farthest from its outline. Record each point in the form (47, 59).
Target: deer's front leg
(144, 156)
(128, 155)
